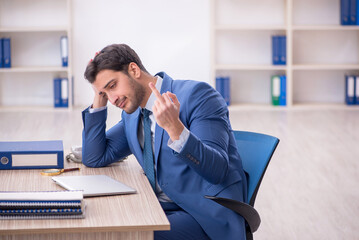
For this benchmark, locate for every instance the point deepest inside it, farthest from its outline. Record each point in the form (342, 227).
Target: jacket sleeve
(101, 148)
(206, 150)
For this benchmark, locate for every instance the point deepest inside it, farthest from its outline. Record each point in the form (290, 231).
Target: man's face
(121, 90)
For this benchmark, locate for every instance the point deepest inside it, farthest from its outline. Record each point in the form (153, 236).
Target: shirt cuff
(94, 110)
(178, 145)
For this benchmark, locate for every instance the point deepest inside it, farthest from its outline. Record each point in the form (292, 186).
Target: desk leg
(83, 236)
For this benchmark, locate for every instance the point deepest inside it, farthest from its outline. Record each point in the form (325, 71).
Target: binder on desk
(64, 51)
(1, 53)
(349, 90)
(31, 155)
(275, 89)
(6, 53)
(41, 205)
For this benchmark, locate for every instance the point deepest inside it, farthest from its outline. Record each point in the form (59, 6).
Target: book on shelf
(31, 155)
(279, 50)
(279, 90)
(41, 205)
(64, 51)
(61, 92)
(223, 87)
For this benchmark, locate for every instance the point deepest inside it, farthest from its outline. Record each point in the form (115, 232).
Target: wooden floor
(310, 190)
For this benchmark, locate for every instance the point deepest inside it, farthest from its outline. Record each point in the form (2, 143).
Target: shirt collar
(151, 101)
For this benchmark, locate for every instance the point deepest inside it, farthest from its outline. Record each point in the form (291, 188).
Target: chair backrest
(255, 150)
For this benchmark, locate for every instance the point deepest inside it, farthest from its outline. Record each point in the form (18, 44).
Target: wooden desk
(133, 216)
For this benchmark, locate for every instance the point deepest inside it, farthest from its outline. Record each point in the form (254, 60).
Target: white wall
(171, 36)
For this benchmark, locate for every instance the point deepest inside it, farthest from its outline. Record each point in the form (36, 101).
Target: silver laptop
(94, 185)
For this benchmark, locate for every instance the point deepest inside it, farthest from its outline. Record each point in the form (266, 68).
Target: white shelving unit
(320, 52)
(35, 28)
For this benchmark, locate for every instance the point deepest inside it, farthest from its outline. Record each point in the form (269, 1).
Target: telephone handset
(75, 155)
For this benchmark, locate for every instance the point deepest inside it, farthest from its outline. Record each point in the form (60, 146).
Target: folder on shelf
(282, 50)
(6, 53)
(223, 87)
(353, 12)
(57, 92)
(31, 155)
(64, 51)
(227, 89)
(283, 91)
(356, 92)
(344, 12)
(42, 205)
(349, 90)
(64, 92)
(219, 84)
(61, 92)
(275, 89)
(275, 50)
(1, 53)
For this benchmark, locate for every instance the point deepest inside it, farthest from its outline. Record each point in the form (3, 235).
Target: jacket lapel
(166, 86)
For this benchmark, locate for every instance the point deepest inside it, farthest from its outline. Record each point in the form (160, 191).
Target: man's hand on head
(166, 112)
(100, 99)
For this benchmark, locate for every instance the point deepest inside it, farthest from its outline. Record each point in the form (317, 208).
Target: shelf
(32, 109)
(319, 52)
(325, 27)
(295, 106)
(325, 67)
(33, 29)
(326, 106)
(252, 67)
(33, 69)
(253, 106)
(249, 27)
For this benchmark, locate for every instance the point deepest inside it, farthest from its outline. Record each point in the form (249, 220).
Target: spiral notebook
(41, 205)
(94, 185)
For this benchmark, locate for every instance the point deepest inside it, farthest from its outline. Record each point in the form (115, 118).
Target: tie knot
(146, 113)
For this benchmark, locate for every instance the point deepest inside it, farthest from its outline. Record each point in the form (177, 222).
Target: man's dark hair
(114, 57)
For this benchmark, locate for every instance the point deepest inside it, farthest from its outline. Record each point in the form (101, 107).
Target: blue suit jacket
(207, 165)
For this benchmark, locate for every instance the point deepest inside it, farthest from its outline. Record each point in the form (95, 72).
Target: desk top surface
(133, 212)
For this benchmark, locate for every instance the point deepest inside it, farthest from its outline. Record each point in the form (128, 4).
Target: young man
(180, 133)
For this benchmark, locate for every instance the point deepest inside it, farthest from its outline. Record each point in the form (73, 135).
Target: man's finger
(156, 92)
(174, 98)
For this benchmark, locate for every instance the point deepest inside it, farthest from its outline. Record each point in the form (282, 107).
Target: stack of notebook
(41, 205)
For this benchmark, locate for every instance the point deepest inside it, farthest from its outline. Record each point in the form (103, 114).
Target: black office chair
(255, 150)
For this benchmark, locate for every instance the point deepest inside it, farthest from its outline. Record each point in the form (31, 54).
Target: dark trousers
(183, 225)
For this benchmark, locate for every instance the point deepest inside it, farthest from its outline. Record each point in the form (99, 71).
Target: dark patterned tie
(147, 149)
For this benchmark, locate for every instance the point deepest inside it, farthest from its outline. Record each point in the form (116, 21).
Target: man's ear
(134, 70)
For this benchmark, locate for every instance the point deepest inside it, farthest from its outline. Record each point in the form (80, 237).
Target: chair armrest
(245, 210)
